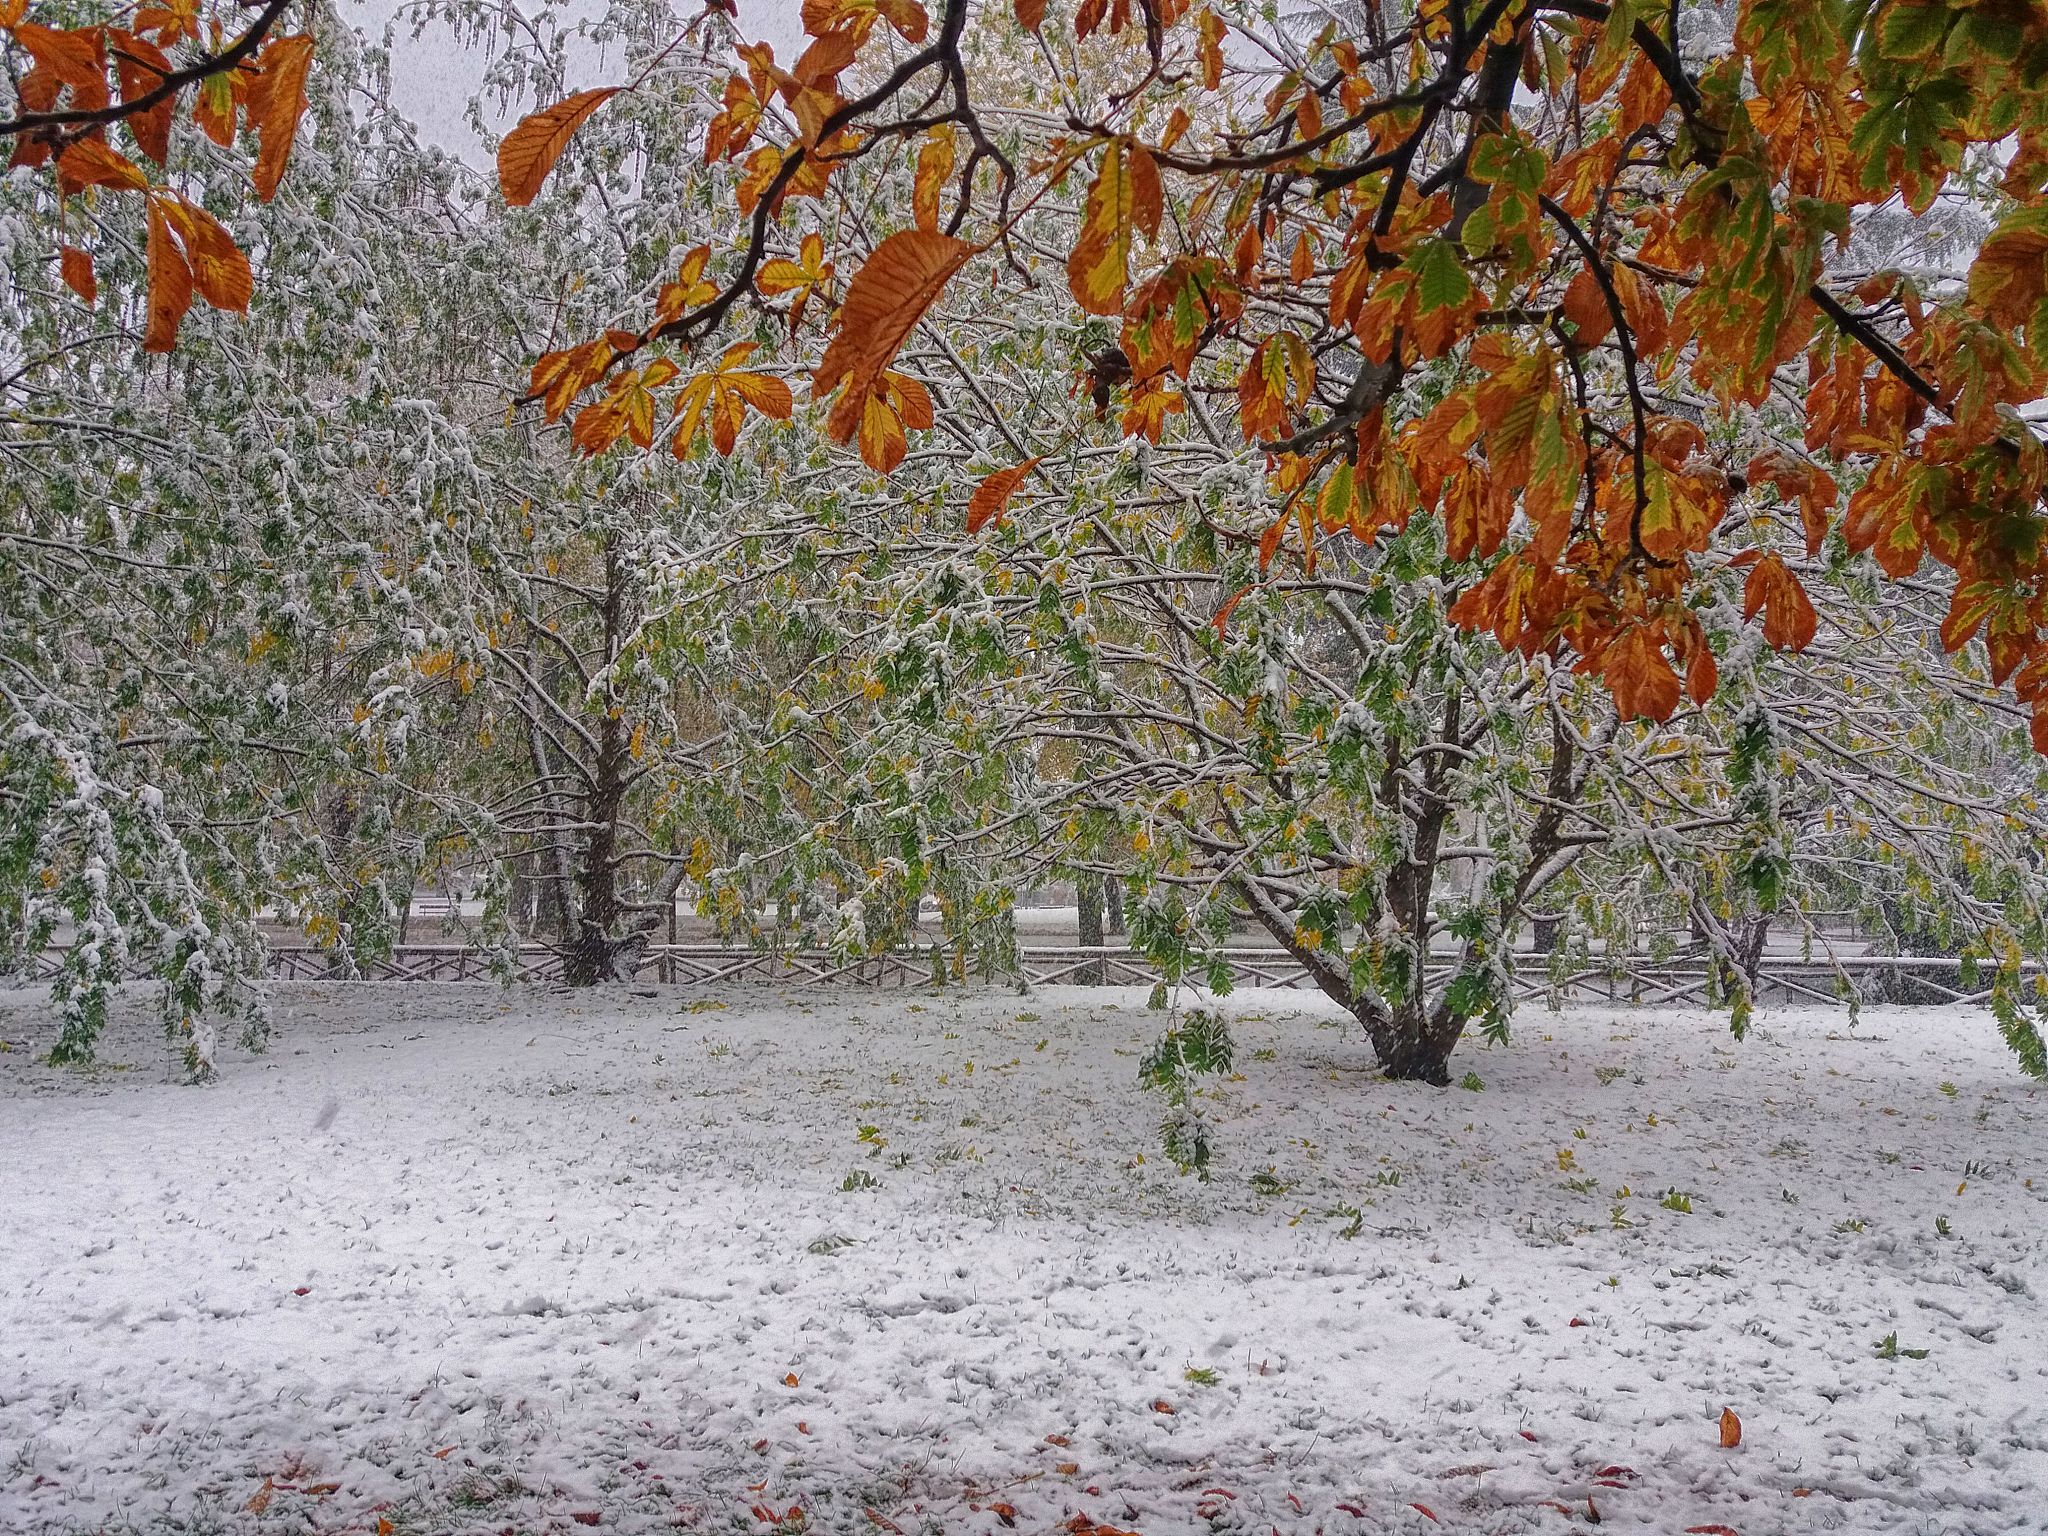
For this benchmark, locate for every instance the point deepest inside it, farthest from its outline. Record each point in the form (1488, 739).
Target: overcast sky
(433, 79)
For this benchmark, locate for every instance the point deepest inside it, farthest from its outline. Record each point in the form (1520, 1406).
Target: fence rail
(1633, 978)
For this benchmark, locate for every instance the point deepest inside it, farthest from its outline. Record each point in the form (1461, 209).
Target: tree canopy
(1392, 475)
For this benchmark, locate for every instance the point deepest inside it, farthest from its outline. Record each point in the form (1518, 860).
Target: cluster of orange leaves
(100, 69)
(1591, 536)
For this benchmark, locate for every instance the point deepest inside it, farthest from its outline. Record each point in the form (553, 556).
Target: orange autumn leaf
(994, 493)
(74, 57)
(276, 101)
(559, 377)
(75, 266)
(899, 403)
(1639, 675)
(140, 67)
(530, 151)
(96, 163)
(170, 283)
(1731, 1429)
(626, 410)
(220, 271)
(723, 397)
(887, 297)
(1789, 619)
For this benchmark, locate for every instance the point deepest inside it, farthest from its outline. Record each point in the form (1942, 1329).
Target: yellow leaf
(934, 165)
(1099, 266)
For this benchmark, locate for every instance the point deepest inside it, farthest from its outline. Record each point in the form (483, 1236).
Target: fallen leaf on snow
(1731, 1429)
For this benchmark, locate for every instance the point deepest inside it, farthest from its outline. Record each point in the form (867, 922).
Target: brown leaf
(790, 1380)
(886, 298)
(259, 1501)
(1731, 1429)
(1030, 14)
(992, 496)
(585, 1516)
(277, 100)
(76, 267)
(529, 152)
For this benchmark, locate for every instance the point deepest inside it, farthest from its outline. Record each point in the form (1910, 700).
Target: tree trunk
(599, 952)
(1088, 902)
(1412, 1048)
(1409, 1045)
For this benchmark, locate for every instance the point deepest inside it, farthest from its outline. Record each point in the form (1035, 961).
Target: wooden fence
(1637, 979)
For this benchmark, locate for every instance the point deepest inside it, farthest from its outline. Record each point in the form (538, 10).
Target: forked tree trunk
(1409, 1043)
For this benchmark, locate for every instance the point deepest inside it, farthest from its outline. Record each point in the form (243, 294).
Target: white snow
(464, 1260)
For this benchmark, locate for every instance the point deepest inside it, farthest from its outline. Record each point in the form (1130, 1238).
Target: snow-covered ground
(461, 1260)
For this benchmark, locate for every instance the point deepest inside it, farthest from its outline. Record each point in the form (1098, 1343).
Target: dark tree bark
(1088, 905)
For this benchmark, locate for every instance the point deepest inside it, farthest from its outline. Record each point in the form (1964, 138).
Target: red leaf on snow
(1426, 1510)
(302, 1290)
(585, 1516)
(1711, 1530)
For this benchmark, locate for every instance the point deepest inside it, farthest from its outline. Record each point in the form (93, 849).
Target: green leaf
(1440, 278)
